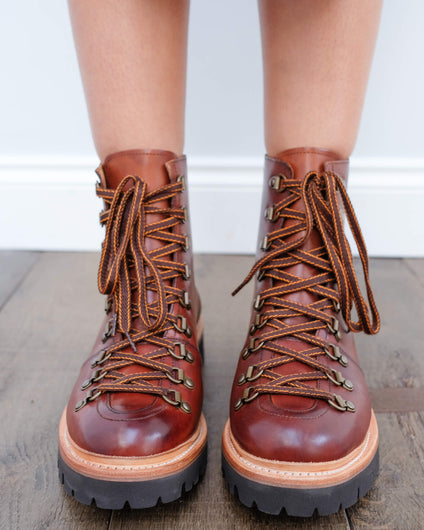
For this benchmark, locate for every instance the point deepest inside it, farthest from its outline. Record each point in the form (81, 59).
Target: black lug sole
(300, 502)
(146, 494)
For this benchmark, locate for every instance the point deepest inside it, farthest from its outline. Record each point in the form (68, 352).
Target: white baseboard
(50, 204)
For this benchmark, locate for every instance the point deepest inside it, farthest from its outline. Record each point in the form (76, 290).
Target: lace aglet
(131, 342)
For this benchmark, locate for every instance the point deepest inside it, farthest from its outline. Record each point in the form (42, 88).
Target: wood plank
(13, 267)
(397, 399)
(394, 358)
(47, 328)
(397, 499)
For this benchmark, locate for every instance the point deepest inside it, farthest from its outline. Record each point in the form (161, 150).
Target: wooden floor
(49, 314)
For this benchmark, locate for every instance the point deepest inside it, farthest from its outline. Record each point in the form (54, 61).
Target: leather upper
(292, 427)
(135, 423)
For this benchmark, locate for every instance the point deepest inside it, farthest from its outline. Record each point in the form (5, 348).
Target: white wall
(45, 141)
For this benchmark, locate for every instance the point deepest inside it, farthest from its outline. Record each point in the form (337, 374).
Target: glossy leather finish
(138, 424)
(287, 427)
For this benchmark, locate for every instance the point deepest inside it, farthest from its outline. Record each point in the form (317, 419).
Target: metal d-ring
(341, 404)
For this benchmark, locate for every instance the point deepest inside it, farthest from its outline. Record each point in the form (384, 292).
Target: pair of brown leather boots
(301, 435)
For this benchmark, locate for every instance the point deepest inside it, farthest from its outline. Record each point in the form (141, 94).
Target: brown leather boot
(302, 435)
(133, 430)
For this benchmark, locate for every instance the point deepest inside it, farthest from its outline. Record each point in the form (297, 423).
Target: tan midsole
(127, 469)
(300, 474)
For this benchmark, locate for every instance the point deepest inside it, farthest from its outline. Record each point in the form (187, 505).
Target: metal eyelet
(185, 301)
(275, 181)
(108, 304)
(95, 378)
(91, 396)
(102, 358)
(336, 306)
(336, 355)
(177, 401)
(181, 378)
(334, 329)
(186, 273)
(252, 343)
(245, 398)
(270, 214)
(259, 324)
(186, 245)
(266, 245)
(260, 275)
(337, 378)
(108, 331)
(248, 376)
(258, 303)
(185, 212)
(183, 328)
(184, 355)
(181, 178)
(340, 404)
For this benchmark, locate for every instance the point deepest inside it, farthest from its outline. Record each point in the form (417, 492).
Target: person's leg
(302, 435)
(139, 394)
(132, 57)
(316, 58)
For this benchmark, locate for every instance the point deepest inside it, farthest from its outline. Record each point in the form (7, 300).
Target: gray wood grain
(48, 326)
(13, 268)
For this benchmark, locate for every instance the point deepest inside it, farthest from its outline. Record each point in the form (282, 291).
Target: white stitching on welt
(125, 467)
(300, 473)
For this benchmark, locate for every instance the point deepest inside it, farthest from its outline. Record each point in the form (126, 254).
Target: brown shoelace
(146, 294)
(334, 265)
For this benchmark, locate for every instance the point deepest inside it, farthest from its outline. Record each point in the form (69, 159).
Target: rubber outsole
(137, 494)
(300, 502)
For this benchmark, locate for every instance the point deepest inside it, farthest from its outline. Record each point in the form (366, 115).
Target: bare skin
(133, 56)
(316, 57)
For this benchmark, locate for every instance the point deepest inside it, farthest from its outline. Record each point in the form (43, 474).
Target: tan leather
(297, 428)
(136, 424)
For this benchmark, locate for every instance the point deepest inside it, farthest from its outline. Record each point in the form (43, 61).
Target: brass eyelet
(337, 378)
(102, 358)
(186, 273)
(259, 324)
(266, 245)
(95, 378)
(91, 396)
(249, 373)
(108, 331)
(185, 212)
(336, 306)
(185, 301)
(334, 328)
(181, 178)
(184, 353)
(181, 378)
(177, 401)
(252, 347)
(258, 303)
(186, 245)
(275, 182)
(182, 328)
(245, 398)
(336, 355)
(108, 304)
(270, 214)
(340, 404)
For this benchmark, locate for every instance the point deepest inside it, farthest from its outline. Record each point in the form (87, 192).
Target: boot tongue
(302, 161)
(305, 159)
(148, 164)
